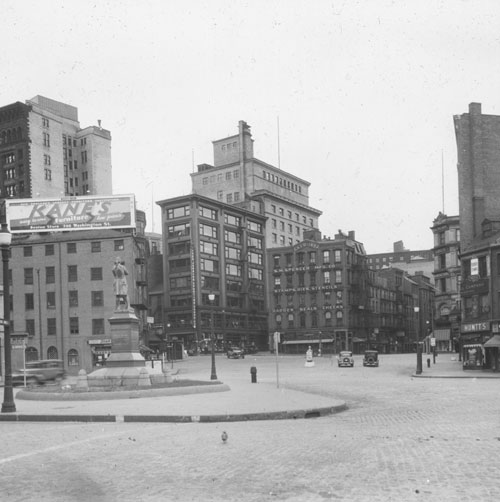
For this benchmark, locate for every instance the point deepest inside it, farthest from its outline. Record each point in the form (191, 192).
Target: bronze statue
(120, 284)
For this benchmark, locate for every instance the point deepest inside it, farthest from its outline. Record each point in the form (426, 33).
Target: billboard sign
(71, 213)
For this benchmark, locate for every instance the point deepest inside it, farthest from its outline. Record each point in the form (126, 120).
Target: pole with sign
(276, 341)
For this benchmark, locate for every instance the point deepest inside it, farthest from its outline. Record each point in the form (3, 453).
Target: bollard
(253, 372)
(428, 362)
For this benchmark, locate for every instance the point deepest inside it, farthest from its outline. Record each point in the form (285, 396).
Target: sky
(355, 96)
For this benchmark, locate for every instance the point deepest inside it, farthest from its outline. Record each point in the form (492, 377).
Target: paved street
(401, 439)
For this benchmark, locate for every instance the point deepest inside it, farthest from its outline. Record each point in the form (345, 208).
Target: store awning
(305, 342)
(442, 334)
(494, 341)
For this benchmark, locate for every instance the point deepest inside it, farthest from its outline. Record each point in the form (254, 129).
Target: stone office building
(213, 248)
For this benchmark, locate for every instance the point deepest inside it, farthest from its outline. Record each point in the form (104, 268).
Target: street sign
(433, 342)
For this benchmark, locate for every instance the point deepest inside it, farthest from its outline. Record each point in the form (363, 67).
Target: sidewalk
(448, 366)
(236, 401)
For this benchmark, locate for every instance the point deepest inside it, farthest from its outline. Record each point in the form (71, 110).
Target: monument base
(127, 376)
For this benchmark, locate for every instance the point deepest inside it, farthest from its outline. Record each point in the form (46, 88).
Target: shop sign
(104, 341)
(477, 326)
(475, 285)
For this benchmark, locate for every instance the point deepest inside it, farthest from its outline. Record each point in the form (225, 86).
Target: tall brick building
(478, 154)
(45, 153)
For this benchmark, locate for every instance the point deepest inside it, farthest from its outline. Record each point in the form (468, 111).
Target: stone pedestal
(125, 367)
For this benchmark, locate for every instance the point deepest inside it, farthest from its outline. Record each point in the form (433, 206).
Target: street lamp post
(8, 405)
(418, 344)
(213, 374)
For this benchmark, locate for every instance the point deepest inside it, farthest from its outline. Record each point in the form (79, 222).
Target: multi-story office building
(446, 322)
(404, 259)
(238, 178)
(45, 153)
(478, 155)
(62, 291)
(318, 293)
(213, 274)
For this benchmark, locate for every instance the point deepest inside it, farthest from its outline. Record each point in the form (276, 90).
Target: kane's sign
(71, 213)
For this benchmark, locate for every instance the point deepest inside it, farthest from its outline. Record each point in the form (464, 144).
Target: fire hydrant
(253, 372)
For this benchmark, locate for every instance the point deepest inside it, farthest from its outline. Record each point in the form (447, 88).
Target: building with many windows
(45, 153)
(318, 293)
(447, 277)
(62, 291)
(478, 157)
(238, 178)
(213, 248)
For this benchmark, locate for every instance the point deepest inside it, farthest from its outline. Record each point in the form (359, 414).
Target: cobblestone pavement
(402, 439)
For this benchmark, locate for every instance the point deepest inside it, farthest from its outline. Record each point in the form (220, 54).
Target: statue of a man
(120, 284)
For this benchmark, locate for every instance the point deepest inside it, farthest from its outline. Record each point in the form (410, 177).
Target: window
(229, 198)
(72, 273)
(301, 279)
(97, 298)
(236, 196)
(274, 238)
(282, 226)
(119, 245)
(276, 261)
(28, 276)
(73, 298)
(255, 258)
(302, 320)
(338, 276)
(209, 248)
(50, 275)
(255, 273)
(326, 277)
(254, 226)
(233, 269)
(230, 236)
(290, 320)
(180, 282)
(27, 251)
(328, 318)
(98, 326)
(228, 175)
(232, 220)
(30, 327)
(209, 265)
(208, 230)
(74, 328)
(51, 300)
(177, 212)
(337, 255)
(96, 274)
(281, 211)
(289, 280)
(95, 246)
(179, 230)
(326, 256)
(277, 282)
(254, 242)
(282, 240)
(312, 257)
(220, 195)
(51, 326)
(207, 212)
(71, 247)
(232, 253)
(205, 180)
(29, 302)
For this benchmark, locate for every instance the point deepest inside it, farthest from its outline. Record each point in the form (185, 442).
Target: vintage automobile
(345, 359)
(235, 353)
(39, 372)
(370, 358)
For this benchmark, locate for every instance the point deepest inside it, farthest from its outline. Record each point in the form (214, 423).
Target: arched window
(340, 315)
(31, 354)
(52, 353)
(328, 318)
(278, 319)
(290, 320)
(73, 359)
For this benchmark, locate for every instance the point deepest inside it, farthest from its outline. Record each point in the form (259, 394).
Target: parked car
(345, 359)
(235, 353)
(370, 358)
(39, 372)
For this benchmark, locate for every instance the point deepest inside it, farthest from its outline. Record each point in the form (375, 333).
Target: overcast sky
(365, 92)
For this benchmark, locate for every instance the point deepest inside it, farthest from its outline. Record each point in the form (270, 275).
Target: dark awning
(494, 341)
